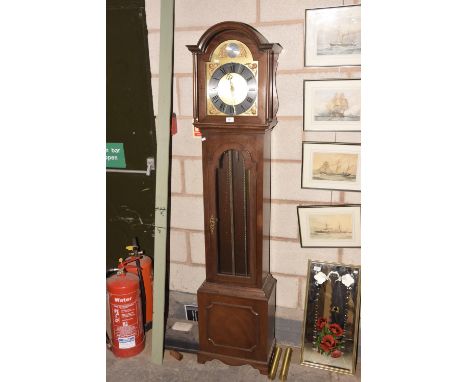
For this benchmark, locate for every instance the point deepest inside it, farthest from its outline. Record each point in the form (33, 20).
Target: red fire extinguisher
(125, 310)
(143, 268)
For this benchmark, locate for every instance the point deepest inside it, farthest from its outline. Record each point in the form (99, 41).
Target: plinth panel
(240, 329)
(236, 325)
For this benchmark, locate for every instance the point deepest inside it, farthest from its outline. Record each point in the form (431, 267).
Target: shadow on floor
(141, 369)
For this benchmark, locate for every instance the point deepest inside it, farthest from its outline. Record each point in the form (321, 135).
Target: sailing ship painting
(337, 105)
(334, 166)
(341, 37)
(331, 227)
(333, 36)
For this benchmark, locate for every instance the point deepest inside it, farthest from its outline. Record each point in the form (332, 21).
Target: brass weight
(275, 363)
(285, 367)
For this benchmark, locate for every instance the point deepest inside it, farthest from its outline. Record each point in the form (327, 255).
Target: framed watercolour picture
(332, 105)
(333, 166)
(330, 226)
(333, 36)
(331, 317)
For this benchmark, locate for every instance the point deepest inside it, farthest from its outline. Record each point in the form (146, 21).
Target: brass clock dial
(233, 88)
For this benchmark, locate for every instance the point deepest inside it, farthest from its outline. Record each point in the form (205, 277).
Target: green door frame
(163, 140)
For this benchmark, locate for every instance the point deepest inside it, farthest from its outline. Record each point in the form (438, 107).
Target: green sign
(115, 155)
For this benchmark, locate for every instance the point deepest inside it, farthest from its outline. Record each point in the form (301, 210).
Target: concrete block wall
(282, 22)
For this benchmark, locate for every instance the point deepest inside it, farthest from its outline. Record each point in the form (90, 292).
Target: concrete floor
(141, 369)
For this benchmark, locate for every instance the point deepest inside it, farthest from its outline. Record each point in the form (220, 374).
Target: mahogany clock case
(237, 300)
(265, 53)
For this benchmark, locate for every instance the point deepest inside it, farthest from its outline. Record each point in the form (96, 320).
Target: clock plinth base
(237, 324)
(262, 367)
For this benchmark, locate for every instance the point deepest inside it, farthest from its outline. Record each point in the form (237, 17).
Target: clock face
(233, 88)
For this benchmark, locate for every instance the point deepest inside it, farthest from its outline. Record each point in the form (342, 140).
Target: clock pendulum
(235, 105)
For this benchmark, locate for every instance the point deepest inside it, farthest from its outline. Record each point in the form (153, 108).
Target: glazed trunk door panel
(232, 193)
(232, 221)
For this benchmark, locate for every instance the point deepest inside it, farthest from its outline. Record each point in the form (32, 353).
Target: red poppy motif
(328, 338)
(336, 329)
(336, 353)
(321, 323)
(328, 343)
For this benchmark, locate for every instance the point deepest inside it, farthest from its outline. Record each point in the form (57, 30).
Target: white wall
(282, 22)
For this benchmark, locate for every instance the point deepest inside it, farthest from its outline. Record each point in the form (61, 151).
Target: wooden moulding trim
(279, 118)
(225, 26)
(217, 124)
(204, 356)
(238, 125)
(241, 291)
(250, 350)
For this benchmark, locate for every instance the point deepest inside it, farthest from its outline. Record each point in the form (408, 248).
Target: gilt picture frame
(332, 105)
(333, 36)
(331, 166)
(330, 226)
(330, 332)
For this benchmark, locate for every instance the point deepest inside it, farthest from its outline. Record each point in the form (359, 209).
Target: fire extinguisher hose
(142, 292)
(109, 273)
(108, 341)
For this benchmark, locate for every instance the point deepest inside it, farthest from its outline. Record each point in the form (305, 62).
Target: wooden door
(231, 178)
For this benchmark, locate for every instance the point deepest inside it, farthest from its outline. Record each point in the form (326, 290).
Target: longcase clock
(235, 104)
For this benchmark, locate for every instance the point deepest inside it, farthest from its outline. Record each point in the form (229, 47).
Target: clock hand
(232, 90)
